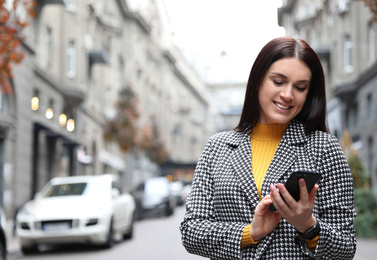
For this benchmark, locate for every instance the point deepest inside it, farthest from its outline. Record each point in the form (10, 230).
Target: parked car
(154, 197)
(3, 238)
(176, 188)
(186, 192)
(76, 209)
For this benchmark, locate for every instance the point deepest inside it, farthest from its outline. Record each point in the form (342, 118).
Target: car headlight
(24, 212)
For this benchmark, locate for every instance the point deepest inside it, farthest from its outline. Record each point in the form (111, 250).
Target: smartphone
(311, 178)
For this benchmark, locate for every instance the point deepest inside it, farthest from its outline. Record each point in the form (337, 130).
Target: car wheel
(168, 210)
(110, 236)
(3, 252)
(130, 233)
(29, 250)
(139, 214)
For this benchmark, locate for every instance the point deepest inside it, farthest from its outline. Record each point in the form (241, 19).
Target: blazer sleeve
(336, 211)
(201, 233)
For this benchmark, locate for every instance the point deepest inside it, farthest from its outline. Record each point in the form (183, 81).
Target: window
(49, 47)
(71, 62)
(371, 42)
(70, 4)
(67, 189)
(370, 153)
(348, 119)
(370, 106)
(4, 102)
(348, 67)
(352, 117)
(109, 108)
(356, 115)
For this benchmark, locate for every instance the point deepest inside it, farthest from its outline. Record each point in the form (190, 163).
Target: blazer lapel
(277, 171)
(241, 161)
(285, 156)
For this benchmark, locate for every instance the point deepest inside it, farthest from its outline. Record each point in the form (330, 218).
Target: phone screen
(311, 178)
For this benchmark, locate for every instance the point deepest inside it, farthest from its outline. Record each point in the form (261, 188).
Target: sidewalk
(366, 248)
(12, 241)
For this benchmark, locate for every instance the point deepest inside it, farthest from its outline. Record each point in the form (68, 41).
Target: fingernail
(272, 188)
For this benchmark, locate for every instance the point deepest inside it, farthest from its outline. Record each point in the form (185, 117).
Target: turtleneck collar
(269, 132)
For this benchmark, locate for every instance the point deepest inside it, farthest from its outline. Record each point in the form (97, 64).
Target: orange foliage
(372, 4)
(11, 26)
(124, 129)
(151, 143)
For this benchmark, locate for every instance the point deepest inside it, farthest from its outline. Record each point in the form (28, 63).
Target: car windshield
(67, 189)
(157, 186)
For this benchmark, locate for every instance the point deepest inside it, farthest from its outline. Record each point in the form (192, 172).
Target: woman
(282, 129)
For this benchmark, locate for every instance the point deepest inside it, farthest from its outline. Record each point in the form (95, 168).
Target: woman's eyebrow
(279, 74)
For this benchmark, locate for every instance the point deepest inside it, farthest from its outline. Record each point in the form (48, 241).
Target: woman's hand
(298, 213)
(264, 221)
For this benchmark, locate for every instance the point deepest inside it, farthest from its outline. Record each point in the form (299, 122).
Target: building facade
(80, 55)
(226, 101)
(343, 35)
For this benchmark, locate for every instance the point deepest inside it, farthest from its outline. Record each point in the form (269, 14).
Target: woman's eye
(276, 82)
(301, 88)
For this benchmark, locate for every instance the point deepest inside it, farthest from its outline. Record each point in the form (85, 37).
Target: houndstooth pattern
(224, 196)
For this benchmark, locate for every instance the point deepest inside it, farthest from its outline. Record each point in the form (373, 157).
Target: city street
(154, 238)
(137, 90)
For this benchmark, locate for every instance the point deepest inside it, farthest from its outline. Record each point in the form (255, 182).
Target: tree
(152, 145)
(372, 4)
(124, 129)
(366, 207)
(13, 19)
(361, 177)
(365, 201)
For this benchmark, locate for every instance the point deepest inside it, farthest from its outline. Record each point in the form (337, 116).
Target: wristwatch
(311, 232)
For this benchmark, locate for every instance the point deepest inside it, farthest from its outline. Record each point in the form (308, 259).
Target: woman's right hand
(265, 220)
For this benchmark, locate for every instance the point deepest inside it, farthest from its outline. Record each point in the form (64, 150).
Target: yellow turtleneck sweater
(265, 140)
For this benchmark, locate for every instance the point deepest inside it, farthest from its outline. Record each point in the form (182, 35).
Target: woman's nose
(286, 93)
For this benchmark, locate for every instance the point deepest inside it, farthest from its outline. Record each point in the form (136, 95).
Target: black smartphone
(311, 178)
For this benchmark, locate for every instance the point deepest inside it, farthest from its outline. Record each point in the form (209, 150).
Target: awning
(51, 133)
(112, 160)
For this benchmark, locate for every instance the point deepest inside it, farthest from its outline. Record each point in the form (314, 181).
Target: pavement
(13, 245)
(366, 248)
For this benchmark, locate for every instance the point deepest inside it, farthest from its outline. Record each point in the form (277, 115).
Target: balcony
(46, 2)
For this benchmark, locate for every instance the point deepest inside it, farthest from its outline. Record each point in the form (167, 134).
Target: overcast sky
(240, 28)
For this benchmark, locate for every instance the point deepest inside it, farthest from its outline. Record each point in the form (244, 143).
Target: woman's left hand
(298, 213)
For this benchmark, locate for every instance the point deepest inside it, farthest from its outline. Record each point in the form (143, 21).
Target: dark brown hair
(313, 114)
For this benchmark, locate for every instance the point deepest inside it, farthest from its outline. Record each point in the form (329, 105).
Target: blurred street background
(135, 88)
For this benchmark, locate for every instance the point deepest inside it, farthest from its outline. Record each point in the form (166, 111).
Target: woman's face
(283, 91)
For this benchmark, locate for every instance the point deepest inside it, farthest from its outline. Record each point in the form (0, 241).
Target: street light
(70, 125)
(34, 103)
(62, 120)
(49, 113)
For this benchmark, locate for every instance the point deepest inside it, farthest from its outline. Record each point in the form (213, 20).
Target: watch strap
(311, 232)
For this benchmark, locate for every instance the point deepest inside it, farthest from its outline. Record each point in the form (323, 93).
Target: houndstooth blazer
(224, 196)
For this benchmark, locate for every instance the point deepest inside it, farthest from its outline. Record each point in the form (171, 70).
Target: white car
(76, 209)
(3, 239)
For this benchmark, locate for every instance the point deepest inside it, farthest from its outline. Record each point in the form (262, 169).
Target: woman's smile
(279, 105)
